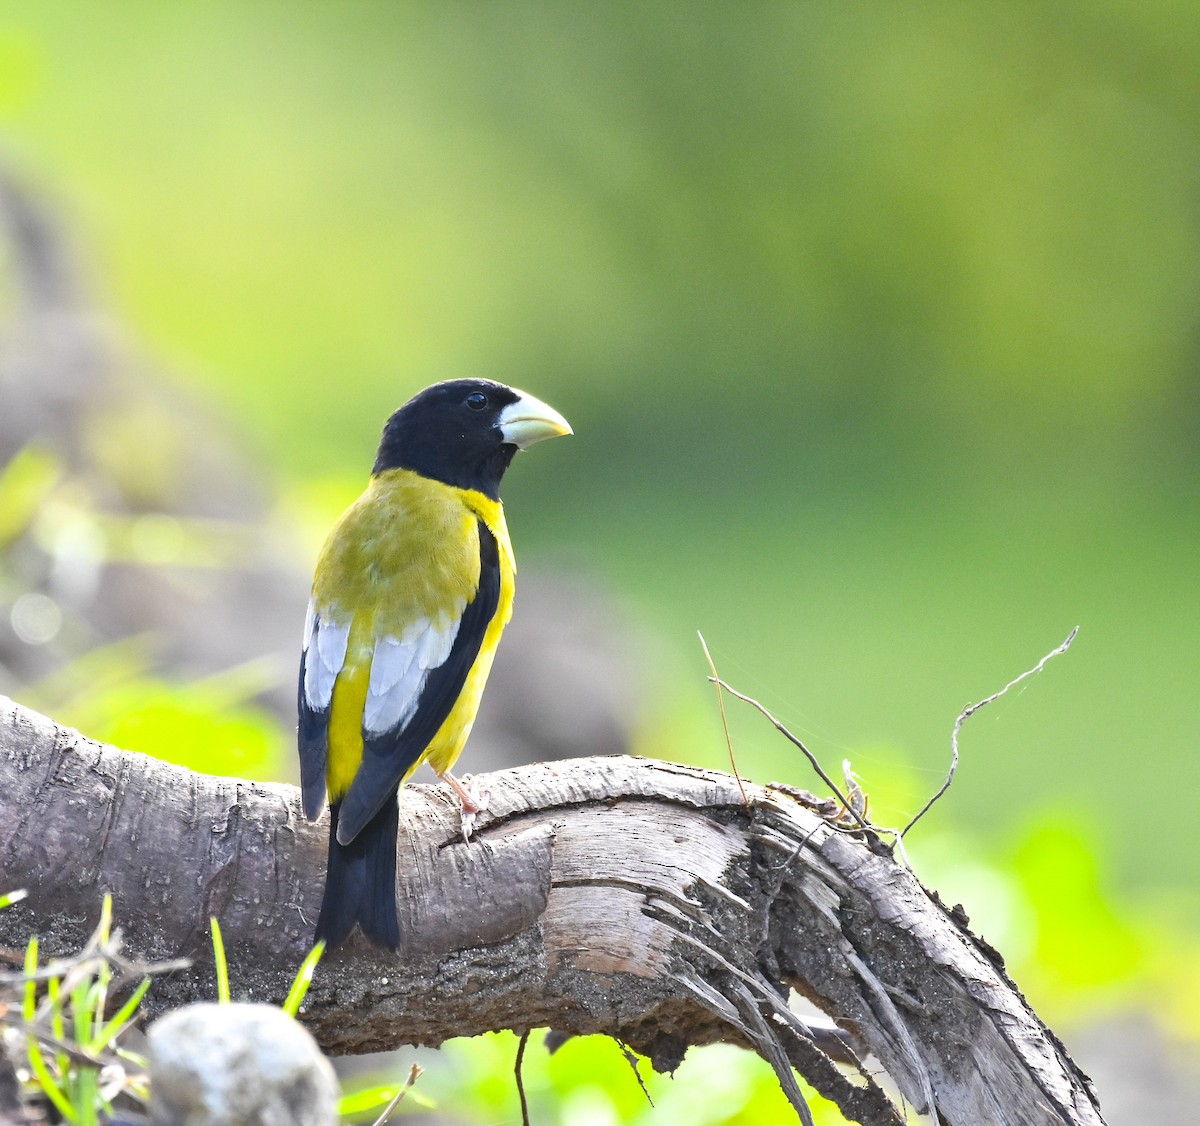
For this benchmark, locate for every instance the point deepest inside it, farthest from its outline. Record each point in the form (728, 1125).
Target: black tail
(360, 886)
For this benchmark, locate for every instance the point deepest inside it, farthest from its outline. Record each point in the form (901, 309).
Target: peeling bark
(631, 897)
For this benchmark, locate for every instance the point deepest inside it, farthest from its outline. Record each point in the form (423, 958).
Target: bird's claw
(467, 825)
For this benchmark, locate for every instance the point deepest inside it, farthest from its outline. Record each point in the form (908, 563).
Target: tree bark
(641, 899)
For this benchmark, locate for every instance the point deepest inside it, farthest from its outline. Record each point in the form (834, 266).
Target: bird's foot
(473, 801)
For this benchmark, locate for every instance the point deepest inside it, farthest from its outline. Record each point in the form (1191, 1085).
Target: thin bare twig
(414, 1073)
(97, 952)
(76, 1052)
(520, 1079)
(863, 824)
(970, 710)
(716, 680)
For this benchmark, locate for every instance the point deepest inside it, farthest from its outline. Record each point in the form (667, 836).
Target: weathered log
(637, 898)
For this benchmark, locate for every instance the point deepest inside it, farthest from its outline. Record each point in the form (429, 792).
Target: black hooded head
(464, 432)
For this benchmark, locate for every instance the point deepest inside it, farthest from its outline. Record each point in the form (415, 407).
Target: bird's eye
(477, 400)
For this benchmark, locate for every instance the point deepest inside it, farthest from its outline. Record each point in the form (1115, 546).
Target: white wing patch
(401, 666)
(325, 644)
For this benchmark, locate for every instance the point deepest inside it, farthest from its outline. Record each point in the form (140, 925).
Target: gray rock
(237, 1065)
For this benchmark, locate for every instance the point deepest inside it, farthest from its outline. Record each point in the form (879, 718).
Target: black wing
(312, 738)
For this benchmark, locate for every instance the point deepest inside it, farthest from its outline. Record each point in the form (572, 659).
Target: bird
(412, 590)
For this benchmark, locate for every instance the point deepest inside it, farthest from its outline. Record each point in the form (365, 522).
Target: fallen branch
(640, 899)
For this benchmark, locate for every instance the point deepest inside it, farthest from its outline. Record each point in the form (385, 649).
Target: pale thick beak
(529, 420)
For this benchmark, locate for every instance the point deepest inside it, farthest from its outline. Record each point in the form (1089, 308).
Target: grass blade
(304, 976)
(121, 1017)
(46, 1081)
(57, 1024)
(222, 965)
(29, 1009)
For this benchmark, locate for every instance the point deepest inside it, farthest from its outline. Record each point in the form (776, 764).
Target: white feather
(390, 663)
(326, 651)
(399, 669)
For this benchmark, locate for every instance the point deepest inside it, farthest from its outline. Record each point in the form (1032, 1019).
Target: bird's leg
(473, 802)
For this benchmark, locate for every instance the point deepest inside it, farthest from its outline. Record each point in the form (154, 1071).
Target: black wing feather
(312, 738)
(388, 757)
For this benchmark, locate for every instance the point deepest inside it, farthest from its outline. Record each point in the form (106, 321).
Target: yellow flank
(345, 716)
(407, 549)
(445, 747)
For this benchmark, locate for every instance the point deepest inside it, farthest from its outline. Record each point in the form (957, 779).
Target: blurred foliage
(109, 690)
(877, 327)
(26, 482)
(197, 726)
(589, 1081)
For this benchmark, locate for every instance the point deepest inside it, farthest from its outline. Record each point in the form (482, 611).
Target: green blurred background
(877, 324)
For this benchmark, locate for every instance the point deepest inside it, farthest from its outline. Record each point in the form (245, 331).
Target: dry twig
(716, 681)
(796, 742)
(969, 711)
